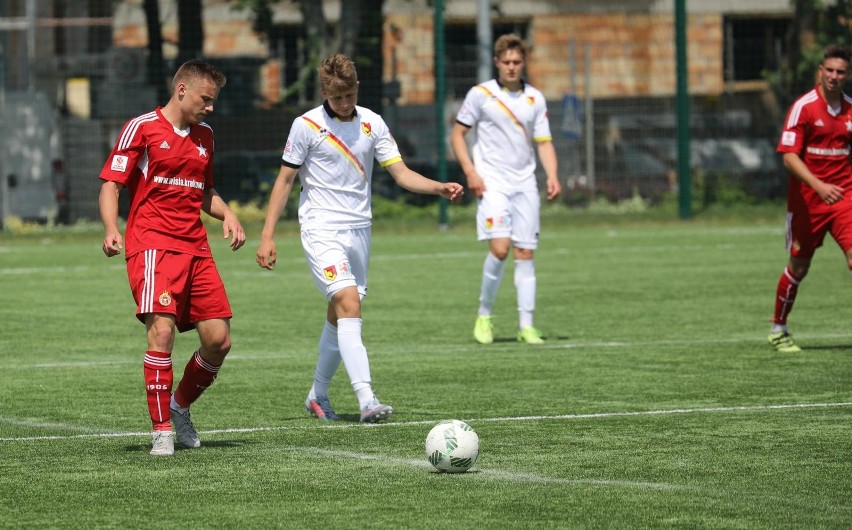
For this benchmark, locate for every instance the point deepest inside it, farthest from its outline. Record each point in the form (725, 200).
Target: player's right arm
(266, 251)
(108, 206)
(829, 193)
(460, 150)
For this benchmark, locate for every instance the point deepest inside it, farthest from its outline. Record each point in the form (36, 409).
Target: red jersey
(821, 138)
(166, 171)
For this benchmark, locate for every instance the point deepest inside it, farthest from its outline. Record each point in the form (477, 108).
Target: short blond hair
(509, 41)
(337, 72)
(195, 70)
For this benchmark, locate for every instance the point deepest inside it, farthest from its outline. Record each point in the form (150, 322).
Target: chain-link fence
(608, 75)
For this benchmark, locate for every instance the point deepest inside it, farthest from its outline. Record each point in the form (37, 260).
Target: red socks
(788, 286)
(157, 368)
(197, 376)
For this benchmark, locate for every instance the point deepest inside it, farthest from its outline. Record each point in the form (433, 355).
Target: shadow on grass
(547, 338)
(146, 447)
(806, 349)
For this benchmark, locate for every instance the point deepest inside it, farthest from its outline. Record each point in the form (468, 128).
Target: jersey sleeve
(126, 154)
(541, 126)
(298, 144)
(471, 109)
(793, 135)
(386, 150)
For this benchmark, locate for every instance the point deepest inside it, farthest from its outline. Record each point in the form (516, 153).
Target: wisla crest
(165, 299)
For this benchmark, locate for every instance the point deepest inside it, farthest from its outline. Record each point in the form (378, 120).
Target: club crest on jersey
(202, 151)
(165, 299)
(367, 128)
(330, 272)
(119, 163)
(531, 100)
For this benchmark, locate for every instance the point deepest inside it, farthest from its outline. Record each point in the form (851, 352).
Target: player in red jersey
(164, 159)
(815, 146)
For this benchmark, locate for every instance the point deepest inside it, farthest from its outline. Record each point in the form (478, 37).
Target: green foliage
(655, 403)
(816, 24)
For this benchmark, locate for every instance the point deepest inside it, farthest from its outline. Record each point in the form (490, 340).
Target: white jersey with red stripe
(335, 161)
(507, 126)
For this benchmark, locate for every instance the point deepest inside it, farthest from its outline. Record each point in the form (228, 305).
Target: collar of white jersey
(335, 115)
(503, 87)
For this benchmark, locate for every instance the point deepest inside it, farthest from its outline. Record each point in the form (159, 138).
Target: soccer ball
(452, 446)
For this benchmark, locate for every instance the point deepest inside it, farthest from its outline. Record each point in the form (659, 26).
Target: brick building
(631, 42)
(617, 57)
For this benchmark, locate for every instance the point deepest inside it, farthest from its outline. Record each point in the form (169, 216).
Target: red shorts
(806, 229)
(188, 287)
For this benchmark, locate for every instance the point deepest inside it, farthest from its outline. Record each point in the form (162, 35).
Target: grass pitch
(656, 401)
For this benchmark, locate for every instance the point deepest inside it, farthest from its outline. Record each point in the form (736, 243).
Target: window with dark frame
(753, 46)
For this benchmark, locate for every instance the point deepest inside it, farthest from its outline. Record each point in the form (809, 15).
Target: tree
(155, 49)
(190, 40)
(190, 30)
(359, 36)
(815, 25)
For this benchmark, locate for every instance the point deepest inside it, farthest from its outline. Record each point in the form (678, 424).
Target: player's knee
(215, 340)
(800, 270)
(523, 254)
(217, 347)
(161, 335)
(346, 303)
(501, 252)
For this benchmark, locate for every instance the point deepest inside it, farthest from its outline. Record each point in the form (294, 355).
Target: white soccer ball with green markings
(452, 446)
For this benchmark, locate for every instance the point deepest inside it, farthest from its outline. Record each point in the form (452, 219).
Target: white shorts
(514, 215)
(338, 258)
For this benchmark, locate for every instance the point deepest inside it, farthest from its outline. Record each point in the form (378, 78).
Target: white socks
(174, 405)
(492, 275)
(355, 359)
(328, 361)
(525, 286)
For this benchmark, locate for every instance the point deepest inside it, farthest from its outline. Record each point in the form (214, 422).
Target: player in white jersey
(510, 116)
(332, 149)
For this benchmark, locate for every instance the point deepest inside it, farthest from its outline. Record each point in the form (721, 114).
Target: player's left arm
(547, 155)
(417, 183)
(215, 206)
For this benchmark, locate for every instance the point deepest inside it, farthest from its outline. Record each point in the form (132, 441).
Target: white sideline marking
(442, 256)
(488, 473)
(592, 415)
(552, 345)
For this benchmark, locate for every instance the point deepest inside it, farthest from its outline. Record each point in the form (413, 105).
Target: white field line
(495, 474)
(557, 417)
(508, 476)
(551, 345)
(440, 256)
